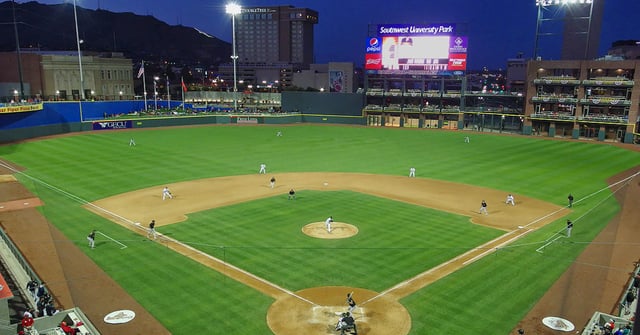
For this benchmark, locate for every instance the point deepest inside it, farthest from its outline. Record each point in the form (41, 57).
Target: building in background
(272, 43)
(55, 75)
(516, 74)
(336, 77)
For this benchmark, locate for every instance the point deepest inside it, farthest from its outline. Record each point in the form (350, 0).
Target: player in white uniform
(263, 168)
(327, 223)
(166, 193)
(510, 200)
(412, 172)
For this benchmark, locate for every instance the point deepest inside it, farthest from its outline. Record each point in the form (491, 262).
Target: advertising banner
(20, 108)
(108, 125)
(336, 81)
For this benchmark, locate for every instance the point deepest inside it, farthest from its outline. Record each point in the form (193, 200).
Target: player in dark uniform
(152, 229)
(292, 194)
(92, 239)
(351, 302)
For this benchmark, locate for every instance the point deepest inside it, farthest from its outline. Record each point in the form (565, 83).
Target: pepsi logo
(374, 42)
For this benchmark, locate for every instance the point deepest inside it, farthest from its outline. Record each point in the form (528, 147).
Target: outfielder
(327, 223)
(92, 239)
(412, 172)
(263, 168)
(166, 193)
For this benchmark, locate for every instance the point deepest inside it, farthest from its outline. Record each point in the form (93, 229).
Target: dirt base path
(316, 308)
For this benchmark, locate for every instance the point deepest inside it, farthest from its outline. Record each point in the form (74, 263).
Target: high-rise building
(269, 35)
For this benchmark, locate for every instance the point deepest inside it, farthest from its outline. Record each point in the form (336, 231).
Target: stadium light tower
(234, 9)
(581, 23)
(75, 16)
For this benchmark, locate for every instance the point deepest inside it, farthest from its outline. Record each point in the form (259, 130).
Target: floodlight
(233, 8)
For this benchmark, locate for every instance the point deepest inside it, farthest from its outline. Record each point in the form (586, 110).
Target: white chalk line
(132, 223)
(105, 235)
(406, 282)
(559, 232)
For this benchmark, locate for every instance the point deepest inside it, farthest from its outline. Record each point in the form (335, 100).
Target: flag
(141, 71)
(184, 87)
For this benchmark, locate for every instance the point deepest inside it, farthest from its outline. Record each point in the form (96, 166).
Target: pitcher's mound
(317, 310)
(338, 230)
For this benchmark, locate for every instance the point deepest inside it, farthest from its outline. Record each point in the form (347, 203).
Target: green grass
(395, 241)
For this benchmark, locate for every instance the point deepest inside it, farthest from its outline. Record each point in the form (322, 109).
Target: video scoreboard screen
(416, 49)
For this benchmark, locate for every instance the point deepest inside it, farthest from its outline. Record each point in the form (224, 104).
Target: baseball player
(569, 227)
(292, 194)
(412, 172)
(92, 239)
(263, 168)
(510, 200)
(483, 208)
(152, 230)
(132, 142)
(272, 181)
(166, 193)
(327, 223)
(351, 302)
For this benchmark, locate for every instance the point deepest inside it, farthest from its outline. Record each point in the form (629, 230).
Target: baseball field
(239, 257)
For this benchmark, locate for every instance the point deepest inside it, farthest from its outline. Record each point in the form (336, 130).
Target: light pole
(234, 9)
(155, 91)
(75, 16)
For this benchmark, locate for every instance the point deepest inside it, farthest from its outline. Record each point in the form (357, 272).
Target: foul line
(132, 224)
(627, 180)
(101, 233)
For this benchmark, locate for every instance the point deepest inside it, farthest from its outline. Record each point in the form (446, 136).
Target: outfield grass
(395, 242)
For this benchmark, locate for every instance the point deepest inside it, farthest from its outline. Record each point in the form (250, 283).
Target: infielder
(510, 200)
(263, 168)
(327, 223)
(412, 172)
(132, 142)
(166, 193)
(483, 208)
(272, 181)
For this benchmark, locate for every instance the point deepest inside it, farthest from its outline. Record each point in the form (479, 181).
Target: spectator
(68, 330)
(32, 287)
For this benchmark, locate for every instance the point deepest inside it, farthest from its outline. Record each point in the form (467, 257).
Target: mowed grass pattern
(400, 240)
(264, 237)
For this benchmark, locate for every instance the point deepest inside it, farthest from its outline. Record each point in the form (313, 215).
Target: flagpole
(168, 95)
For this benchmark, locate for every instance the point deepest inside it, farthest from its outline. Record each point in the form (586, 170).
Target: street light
(75, 16)
(234, 9)
(155, 91)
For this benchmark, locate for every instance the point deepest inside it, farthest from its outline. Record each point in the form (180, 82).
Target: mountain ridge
(136, 36)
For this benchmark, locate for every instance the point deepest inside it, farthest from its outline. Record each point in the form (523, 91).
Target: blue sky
(498, 29)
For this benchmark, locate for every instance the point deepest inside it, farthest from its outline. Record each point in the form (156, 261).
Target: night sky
(498, 29)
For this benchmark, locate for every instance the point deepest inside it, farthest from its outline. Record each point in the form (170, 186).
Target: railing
(554, 116)
(604, 118)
